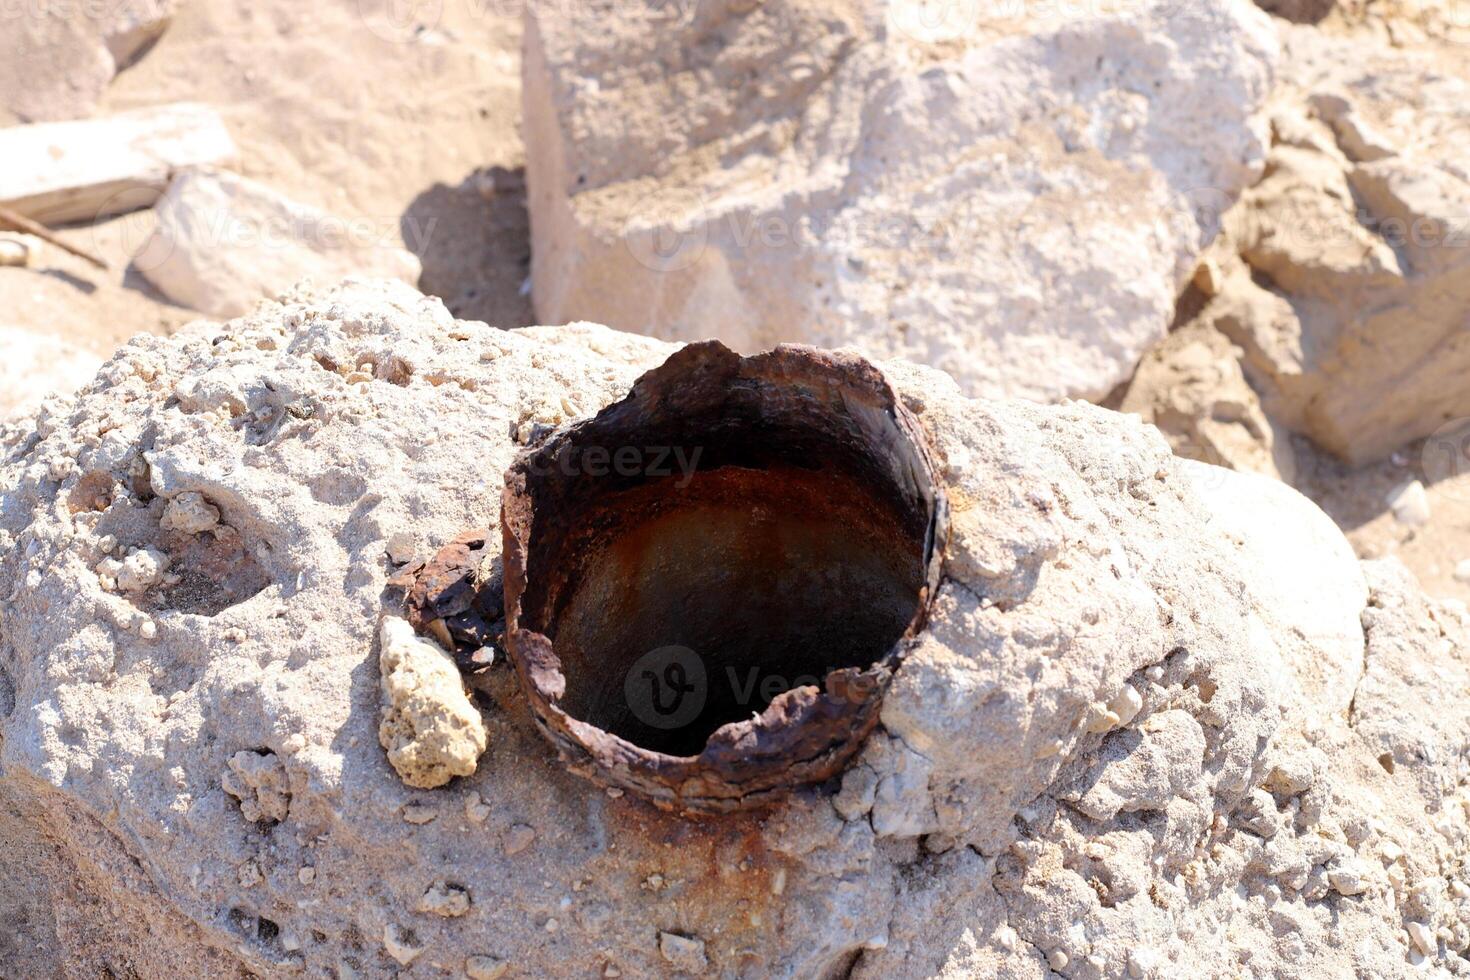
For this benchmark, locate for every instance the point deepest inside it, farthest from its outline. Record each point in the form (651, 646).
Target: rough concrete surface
(1122, 748)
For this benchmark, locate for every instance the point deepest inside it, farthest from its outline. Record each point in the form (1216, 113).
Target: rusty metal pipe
(709, 584)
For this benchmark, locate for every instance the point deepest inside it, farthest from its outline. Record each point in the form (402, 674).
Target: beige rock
(88, 169)
(485, 968)
(1409, 502)
(1350, 302)
(430, 728)
(401, 943)
(189, 513)
(684, 953)
(223, 243)
(142, 570)
(1193, 388)
(798, 163)
(14, 252)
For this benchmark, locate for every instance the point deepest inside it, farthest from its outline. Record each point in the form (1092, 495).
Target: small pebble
(552, 925)
(306, 875)
(1126, 704)
(445, 900)
(1423, 938)
(418, 813)
(1410, 504)
(683, 952)
(14, 253)
(1462, 570)
(401, 944)
(485, 968)
(250, 875)
(476, 810)
(1058, 960)
(148, 630)
(518, 838)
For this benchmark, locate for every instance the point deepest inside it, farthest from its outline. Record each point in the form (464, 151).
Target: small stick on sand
(18, 222)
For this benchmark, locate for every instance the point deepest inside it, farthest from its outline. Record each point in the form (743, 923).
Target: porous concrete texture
(782, 171)
(1122, 748)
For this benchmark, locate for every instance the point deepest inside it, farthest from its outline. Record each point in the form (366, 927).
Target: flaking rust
(777, 575)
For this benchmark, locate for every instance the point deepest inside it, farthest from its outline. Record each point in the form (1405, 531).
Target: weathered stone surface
(776, 172)
(1104, 754)
(56, 59)
(224, 242)
(1313, 590)
(1350, 292)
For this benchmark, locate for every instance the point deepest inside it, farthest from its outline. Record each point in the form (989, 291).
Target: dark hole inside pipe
(754, 546)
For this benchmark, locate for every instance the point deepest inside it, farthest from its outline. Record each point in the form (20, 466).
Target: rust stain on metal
(790, 561)
(457, 599)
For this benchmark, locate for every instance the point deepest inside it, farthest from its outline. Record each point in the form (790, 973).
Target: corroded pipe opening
(709, 584)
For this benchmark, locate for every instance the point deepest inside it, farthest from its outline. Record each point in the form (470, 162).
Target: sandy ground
(406, 116)
(1357, 501)
(355, 107)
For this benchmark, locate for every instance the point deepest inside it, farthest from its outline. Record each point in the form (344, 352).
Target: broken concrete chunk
(430, 728)
(224, 242)
(1116, 571)
(189, 513)
(91, 168)
(1350, 302)
(784, 181)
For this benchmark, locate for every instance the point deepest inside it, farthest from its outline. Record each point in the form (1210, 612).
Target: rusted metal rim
(783, 408)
